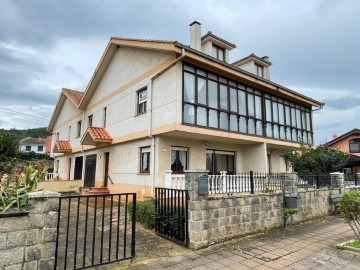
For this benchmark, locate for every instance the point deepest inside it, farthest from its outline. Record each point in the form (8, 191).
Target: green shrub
(145, 213)
(13, 191)
(350, 210)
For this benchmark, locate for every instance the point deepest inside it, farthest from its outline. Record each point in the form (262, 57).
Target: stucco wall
(343, 145)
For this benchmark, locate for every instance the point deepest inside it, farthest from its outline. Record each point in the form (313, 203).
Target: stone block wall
(28, 242)
(217, 218)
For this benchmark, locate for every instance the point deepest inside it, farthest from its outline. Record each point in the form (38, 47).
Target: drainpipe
(150, 91)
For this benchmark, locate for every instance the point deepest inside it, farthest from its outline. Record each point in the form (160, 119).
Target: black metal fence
(246, 182)
(317, 181)
(171, 218)
(94, 230)
(351, 179)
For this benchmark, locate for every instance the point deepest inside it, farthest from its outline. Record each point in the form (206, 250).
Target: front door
(90, 168)
(106, 175)
(78, 168)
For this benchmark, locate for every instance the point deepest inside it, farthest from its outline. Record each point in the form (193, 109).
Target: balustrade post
(224, 182)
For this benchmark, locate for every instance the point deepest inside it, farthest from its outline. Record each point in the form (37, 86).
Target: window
(69, 134)
(259, 70)
(104, 117)
(354, 146)
(218, 53)
(90, 120)
(28, 148)
(215, 102)
(179, 159)
(145, 159)
(142, 100)
(40, 148)
(218, 161)
(78, 132)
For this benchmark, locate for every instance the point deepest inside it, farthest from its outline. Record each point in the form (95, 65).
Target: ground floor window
(179, 159)
(145, 159)
(217, 161)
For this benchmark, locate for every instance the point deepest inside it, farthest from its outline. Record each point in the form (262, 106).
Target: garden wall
(217, 218)
(28, 242)
(61, 185)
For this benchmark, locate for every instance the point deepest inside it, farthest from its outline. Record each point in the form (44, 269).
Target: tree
(316, 160)
(8, 149)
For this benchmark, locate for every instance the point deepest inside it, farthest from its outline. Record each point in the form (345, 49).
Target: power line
(24, 114)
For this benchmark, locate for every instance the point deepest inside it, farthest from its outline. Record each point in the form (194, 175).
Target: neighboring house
(348, 142)
(155, 105)
(29, 144)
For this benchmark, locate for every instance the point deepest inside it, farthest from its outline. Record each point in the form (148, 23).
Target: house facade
(37, 145)
(153, 106)
(348, 142)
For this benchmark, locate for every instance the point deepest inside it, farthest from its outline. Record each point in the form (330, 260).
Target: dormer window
(259, 70)
(218, 52)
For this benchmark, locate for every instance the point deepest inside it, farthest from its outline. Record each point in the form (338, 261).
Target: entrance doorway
(106, 174)
(78, 168)
(90, 169)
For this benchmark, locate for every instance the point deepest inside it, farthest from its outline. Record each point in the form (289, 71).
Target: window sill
(143, 173)
(140, 114)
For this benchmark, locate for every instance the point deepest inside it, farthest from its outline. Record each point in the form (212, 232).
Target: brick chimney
(39, 139)
(195, 35)
(334, 136)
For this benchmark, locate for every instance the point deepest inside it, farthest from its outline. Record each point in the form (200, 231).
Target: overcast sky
(313, 45)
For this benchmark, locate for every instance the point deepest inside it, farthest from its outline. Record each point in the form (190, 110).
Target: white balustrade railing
(51, 177)
(174, 181)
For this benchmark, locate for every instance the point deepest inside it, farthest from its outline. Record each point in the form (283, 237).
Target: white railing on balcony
(51, 177)
(174, 181)
(245, 182)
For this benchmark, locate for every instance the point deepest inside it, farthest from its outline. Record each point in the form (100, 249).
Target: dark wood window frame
(40, 148)
(261, 69)
(145, 152)
(141, 104)
(301, 129)
(78, 131)
(90, 120)
(354, 142)
(28, 148)
(217, 49)
(174, 167)
(214, 165)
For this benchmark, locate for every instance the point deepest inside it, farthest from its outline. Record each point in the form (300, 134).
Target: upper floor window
(218, 53)
(179, 159)
(354, 146)
(90, 120)
(142, 101)
(57, 136)
(69, 134)
(259, 70)
(28, 148)
(104, 116)
(219, 103)
(78, 131)
(40, 148)
(145, 159)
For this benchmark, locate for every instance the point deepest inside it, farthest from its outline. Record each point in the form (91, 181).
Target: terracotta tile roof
(74, 95)
(30, 140)
(63, 146)
(144, 40)
(99, 134)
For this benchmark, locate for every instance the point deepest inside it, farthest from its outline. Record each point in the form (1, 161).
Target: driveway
(311, 245)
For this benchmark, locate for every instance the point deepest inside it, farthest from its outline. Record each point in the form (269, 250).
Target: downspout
(150, 88)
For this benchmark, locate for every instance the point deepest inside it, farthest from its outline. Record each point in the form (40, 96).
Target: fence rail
(246, 182)
(314, 180)
(351, 179)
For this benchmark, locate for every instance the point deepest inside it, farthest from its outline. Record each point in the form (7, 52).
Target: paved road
(311, 245)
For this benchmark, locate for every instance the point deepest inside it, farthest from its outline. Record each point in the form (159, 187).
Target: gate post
(197, 205)
(337, 181)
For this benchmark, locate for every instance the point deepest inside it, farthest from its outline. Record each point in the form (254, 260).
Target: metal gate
(95, 230)
(171, 219)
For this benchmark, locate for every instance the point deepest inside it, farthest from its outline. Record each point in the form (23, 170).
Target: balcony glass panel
(201, 116)
(213, 119)
(233, 122)
(201, 91)
(242, 102)
(213, 94)
(189, 114)
(224, 121)
(242, 124)
(223, 97)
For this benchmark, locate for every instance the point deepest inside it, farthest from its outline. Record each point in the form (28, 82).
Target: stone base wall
(214, 219)
(61, 185)
(28, 242)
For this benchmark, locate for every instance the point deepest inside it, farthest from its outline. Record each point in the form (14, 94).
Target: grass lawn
(355, 244)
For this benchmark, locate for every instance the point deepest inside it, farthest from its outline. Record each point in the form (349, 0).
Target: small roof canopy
(62, 147)
(96, 135)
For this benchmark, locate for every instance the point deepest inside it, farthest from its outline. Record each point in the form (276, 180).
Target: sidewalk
(311, 245)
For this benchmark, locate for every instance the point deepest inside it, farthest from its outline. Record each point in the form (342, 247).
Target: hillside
(23, 133)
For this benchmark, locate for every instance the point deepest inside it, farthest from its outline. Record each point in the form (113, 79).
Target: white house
(154, 105)
(36, 145)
